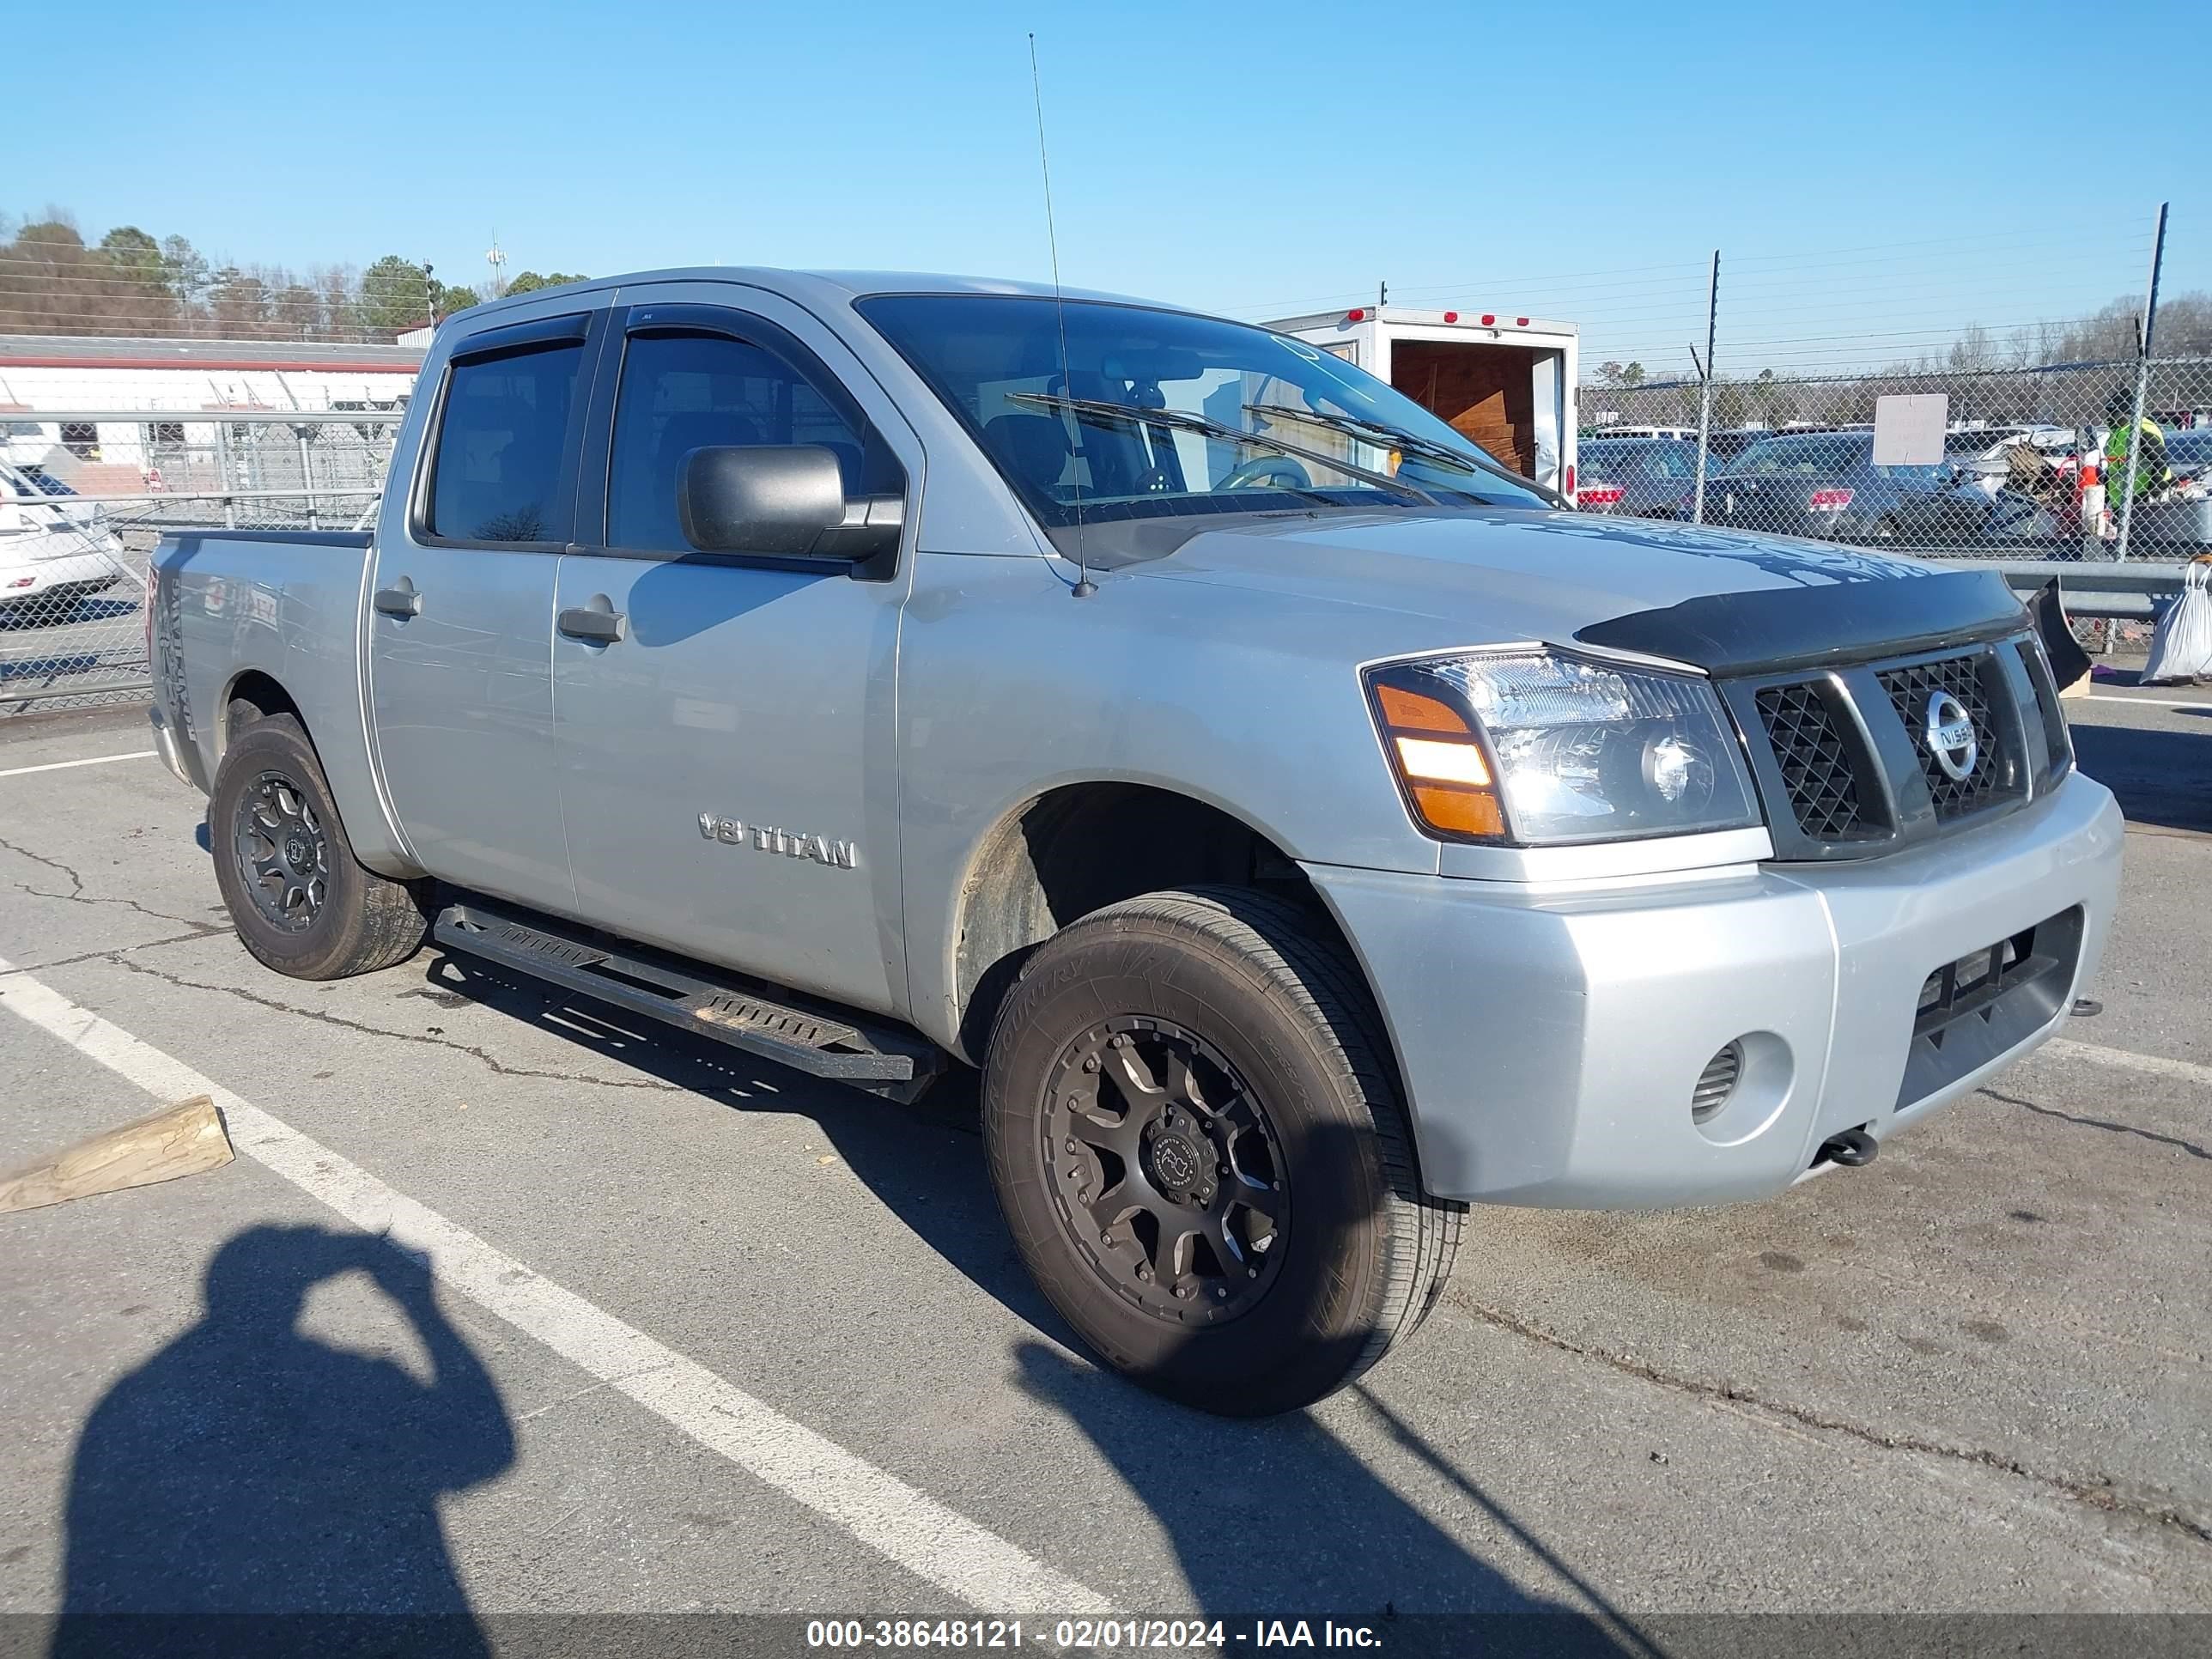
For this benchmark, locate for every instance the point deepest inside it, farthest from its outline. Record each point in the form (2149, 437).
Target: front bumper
(1549, 1038)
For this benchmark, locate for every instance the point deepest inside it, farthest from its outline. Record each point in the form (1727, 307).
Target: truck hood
(1505, 574)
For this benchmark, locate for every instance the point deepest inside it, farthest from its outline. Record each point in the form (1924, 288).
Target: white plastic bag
(2181, 649)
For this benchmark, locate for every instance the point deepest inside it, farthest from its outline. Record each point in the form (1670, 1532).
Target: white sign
(1908, 431)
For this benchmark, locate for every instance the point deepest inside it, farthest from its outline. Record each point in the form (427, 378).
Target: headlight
(1537, 746)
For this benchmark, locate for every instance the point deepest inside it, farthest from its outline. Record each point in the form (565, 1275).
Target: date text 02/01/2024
(1082, 1633)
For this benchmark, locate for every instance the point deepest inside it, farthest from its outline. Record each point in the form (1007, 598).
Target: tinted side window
(496, 476)
(684, 391)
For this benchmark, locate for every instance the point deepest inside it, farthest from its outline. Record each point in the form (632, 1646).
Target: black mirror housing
(785, 501)
(771, 499)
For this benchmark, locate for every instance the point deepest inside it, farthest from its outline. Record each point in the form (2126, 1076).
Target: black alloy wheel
(1166, 1170)
(283, 852)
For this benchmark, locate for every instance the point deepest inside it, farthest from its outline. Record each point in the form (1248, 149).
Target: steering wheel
(1267, 471)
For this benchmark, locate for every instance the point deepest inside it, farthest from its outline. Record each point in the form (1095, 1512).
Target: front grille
(1910, 689)
(1816, 763)
(1842, 753)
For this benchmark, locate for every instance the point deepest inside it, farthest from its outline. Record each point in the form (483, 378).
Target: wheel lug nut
(1145, 1273)
(1090, 1062)
(1221, 1293)
(1106, 1238)
(1071, 1143)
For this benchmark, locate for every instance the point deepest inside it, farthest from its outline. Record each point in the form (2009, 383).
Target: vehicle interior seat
(1035, 447)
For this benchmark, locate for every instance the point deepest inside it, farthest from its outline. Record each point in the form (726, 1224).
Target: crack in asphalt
(2188, 1146)
(109, 953)
(76, 895)
(472, 1050)
(2097, 1491)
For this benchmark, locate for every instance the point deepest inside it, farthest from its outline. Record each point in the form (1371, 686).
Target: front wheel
(300, 901)
(1198, 1144)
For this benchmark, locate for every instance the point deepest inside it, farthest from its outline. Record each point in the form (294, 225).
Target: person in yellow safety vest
(2152, 473)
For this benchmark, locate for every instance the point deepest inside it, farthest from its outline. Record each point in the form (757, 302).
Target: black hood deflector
(1823, 623)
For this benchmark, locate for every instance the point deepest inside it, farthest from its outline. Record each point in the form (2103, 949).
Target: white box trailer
(1505, 382)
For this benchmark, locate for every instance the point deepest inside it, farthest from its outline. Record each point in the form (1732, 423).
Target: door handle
(398, 603)
(598, 624)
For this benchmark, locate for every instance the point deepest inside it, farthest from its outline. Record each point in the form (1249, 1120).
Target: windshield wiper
(1405, 442)
(1096, 409)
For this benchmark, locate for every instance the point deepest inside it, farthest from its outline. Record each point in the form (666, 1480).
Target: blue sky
(1874, 174)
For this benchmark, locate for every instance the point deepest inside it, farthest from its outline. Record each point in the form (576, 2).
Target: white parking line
(2142, 702)
(64, 766)
(2182, 1070)
(876, 1509)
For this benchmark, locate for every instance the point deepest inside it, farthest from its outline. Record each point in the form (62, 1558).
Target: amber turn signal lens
(1438, 758)
(1412, 711)
(1461, 811)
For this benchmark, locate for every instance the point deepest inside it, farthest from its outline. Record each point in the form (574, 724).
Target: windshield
(1160, 414)
(1644, 457)
(1824, 457)
(1803, 457)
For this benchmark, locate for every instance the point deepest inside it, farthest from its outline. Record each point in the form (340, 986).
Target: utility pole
(2143, 333)
(1706, 395)
(430, 294)
(495, 257)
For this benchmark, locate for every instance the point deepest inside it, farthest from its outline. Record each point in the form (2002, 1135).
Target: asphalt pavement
(710, 1336)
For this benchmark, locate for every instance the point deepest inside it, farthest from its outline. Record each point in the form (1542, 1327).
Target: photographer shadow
(250, 1488)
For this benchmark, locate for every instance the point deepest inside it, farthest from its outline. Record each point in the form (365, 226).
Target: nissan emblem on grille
(1950, 738)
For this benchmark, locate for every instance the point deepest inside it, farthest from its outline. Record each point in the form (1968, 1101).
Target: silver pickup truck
(1307, 826)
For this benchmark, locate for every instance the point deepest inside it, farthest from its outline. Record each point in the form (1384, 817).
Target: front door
(461, 614)
(728, 770)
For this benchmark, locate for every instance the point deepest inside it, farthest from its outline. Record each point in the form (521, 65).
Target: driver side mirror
(783, 500)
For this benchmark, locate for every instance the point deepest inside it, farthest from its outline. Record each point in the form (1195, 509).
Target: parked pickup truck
(1307, 826)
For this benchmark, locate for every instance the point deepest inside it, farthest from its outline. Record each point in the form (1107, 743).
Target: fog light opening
(1715, 1085)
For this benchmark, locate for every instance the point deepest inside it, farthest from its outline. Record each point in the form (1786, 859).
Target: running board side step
(732, 1010)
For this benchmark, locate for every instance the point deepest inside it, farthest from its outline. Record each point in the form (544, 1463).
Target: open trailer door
(1504, 383)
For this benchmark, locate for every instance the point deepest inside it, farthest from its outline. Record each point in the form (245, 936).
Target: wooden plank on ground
(179, 1141)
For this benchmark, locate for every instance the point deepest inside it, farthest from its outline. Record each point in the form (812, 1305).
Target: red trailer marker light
(1488, 318)
(1358, 315)
(1451, 316)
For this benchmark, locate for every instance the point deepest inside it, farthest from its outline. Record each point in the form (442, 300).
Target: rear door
(728, 765)
(461, 617)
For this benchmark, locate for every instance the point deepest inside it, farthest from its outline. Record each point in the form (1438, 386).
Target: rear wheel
(1195, 1136)
(300, 901)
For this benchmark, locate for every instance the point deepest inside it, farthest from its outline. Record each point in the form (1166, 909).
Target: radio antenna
(1084, 587)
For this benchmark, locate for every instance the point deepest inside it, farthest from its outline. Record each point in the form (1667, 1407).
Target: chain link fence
(85, 494)
(2032, 462)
